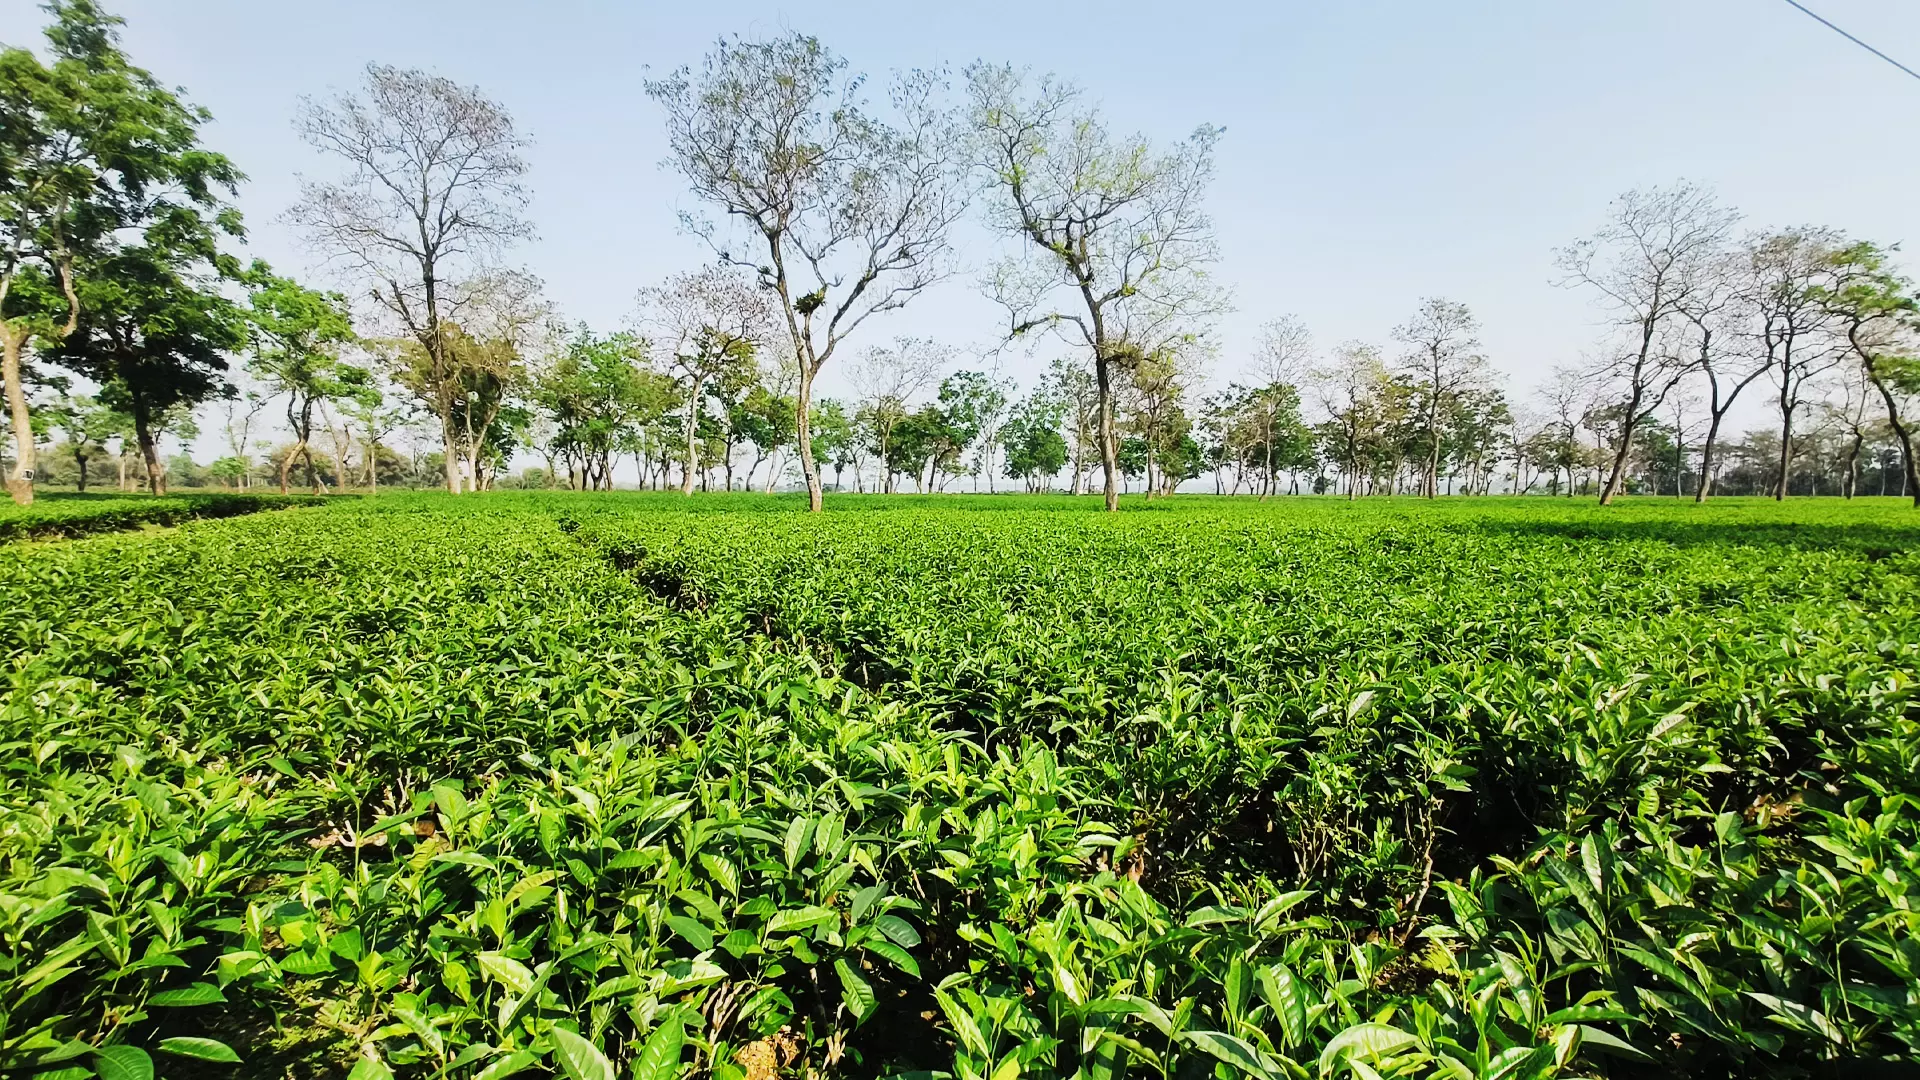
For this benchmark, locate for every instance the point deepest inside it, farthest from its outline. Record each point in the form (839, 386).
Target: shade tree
(1654, 250)
(711, 327)
(95, 155)
(842, 210)
(432, 190)
(1116, 245)
(1444, 362)
(296, 336)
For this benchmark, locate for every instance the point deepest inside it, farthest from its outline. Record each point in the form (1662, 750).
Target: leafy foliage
(606, 786)
(74, 516)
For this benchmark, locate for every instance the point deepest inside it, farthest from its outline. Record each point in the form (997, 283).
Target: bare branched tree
(849, 212)
(1284, 353)
(506, 323)
(1797, 334)
(1443, 357)
(1714, 333)
(431, 194)
(1565, 400)
(1646, 261)
(1283, 357)
(1120, 243)
(887, 378)
(707, 323)
(1853, 414)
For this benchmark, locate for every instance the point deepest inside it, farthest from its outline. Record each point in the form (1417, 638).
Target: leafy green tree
(297, 337)
(1444, 363)
(1156, 397)
(1035, 448)
(1072, 385)
(890, 377)
(1366, 408)
(765, 419)
(498, 442)
(596, 392)
(1477, 435)
(91, 148)
(974, 403)
(1879, 314)
(154, 332)
(915, 440)
(478, 366)
(834, 439)
(1263, 424)
(712, 326)
(87, 424)
(1133, 456)
(229, 470)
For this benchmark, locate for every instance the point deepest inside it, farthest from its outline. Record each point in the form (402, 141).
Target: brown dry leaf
(764, 1058)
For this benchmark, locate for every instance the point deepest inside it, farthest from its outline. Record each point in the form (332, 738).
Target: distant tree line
(128, 320)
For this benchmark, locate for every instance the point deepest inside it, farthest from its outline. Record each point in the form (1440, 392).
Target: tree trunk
(773, 473)
(1109, 446)
(693, 411)
(803, 433)
(1616, 476)
(450, 451)
(1704, 488)
(1432, 478)
(80, 459)
(20, 482)
(1266, 477)
(149, 449)
(313, 474)
(1786, 448)
(1901, 431)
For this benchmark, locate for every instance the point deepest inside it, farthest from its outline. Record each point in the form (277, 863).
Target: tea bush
(598, 786)
(55, 515)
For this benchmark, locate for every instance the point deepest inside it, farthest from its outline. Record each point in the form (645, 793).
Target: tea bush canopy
(975, 785)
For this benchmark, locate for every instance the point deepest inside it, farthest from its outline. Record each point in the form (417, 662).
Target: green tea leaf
(194, 1047)
(581, 1059)
(855, 991)
(197, 994)
(660, 1055)
(123, 1063)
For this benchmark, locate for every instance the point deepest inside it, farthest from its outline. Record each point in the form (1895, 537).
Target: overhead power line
(1816, 17)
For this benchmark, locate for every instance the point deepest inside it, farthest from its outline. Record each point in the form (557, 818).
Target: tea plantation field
(634, 786)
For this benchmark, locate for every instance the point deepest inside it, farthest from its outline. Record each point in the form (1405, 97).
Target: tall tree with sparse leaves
(845, 212)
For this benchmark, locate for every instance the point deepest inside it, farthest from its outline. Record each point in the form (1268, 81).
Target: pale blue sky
(1376, 151)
